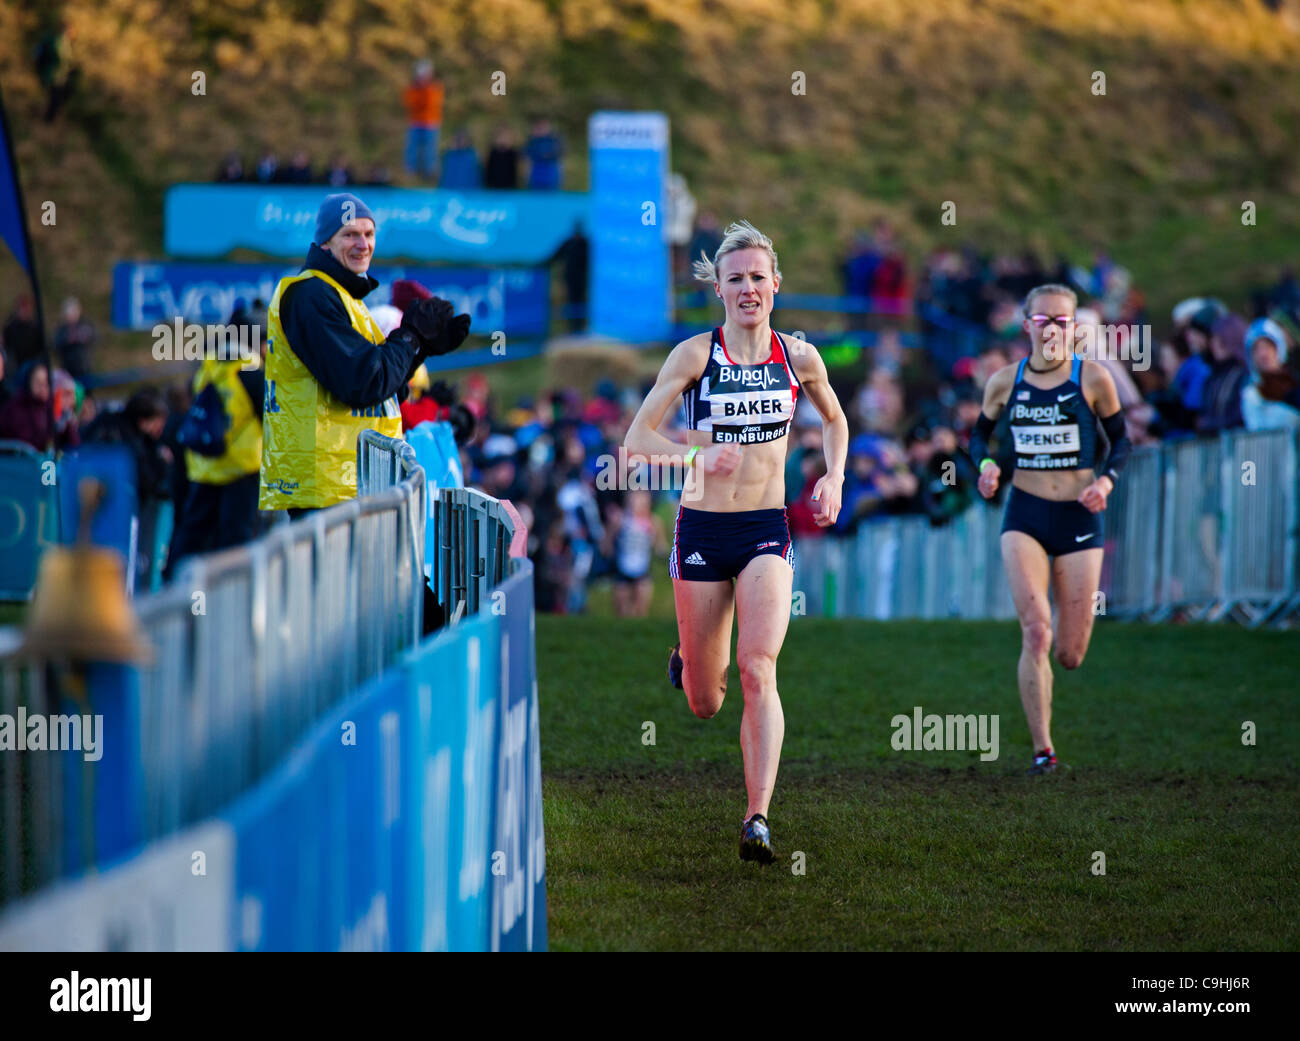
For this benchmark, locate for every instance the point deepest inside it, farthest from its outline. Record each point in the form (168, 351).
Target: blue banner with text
(514, 301)
(482, 227)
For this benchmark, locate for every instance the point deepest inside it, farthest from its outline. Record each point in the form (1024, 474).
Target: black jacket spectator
(134, 426)
(1222, 409)
(502, 169)
(22, 336)
(74, 340)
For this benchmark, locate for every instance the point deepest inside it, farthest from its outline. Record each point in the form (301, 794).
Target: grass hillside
(989, 105)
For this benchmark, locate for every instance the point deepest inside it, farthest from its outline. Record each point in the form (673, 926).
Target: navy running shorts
(715, 547)
(1059, 527)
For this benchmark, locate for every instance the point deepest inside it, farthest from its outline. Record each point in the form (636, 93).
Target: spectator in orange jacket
(423, 101)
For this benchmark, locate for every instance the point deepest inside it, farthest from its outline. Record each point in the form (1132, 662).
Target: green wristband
(985, 461)
(690, 456)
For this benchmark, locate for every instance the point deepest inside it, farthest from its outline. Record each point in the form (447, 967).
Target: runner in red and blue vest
(1052, 531)
(731, 550)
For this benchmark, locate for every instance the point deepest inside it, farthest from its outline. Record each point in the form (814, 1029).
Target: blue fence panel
(454, 685)
(318, 844)
(519, 877)
(29, 519)
(115, 522)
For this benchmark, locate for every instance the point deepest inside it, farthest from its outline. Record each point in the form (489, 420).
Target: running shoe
(675, 666)
(1044, 763)
(756, 840)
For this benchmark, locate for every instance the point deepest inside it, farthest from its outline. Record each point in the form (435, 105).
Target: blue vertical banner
(631, 290)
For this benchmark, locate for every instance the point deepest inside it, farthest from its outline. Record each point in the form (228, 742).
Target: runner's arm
(811, 371)
(996, 392)
(682, 368)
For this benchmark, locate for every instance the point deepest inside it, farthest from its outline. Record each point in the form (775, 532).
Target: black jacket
(1222, 396)
(357, 372)
(151, 469)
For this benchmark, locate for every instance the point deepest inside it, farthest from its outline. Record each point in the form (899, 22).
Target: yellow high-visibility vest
(243, 454)
(309, 443)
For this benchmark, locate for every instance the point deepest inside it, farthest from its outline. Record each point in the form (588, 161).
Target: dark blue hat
(335, 211)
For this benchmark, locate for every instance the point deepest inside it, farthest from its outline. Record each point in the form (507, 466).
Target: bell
(80, 610)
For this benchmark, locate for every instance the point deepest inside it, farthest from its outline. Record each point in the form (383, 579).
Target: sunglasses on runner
(1063, 320)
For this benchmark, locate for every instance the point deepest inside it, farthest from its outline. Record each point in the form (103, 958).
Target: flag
(13, 218)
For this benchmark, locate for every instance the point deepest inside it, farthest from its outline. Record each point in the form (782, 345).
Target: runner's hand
(718, 460)
(827, 494)
(988, 482)
(1094, 496)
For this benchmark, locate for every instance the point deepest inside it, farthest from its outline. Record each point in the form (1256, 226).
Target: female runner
(731, 546)
(1052, 530)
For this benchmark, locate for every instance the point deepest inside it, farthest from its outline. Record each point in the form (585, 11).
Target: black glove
(453, 334)
(427, 320)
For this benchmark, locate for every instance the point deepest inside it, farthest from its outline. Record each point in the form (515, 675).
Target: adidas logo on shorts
(695, 558)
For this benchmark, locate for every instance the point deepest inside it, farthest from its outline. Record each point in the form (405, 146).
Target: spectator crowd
(911, 410)
(505, 164)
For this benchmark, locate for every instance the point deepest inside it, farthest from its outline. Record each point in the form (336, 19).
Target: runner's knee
(1037, 636)
(1069, 657)
(704, 698)
(757, 672)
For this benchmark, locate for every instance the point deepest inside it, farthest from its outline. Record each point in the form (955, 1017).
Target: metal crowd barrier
(252, 645)
(1202, 529)
(472, 531)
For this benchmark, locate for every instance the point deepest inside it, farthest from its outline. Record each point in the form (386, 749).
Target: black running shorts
(1059, 527)
(715, 547)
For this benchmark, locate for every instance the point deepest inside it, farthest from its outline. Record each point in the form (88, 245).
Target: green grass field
(926, 850)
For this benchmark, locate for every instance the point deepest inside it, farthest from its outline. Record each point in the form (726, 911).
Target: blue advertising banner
(515, 301)
(519, 857)
(29, 519)
(631, 290)
(318, 850)
(453, 685)
(485, 227)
